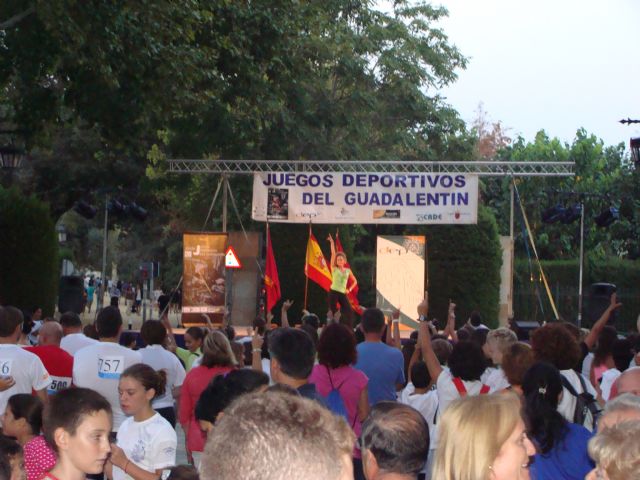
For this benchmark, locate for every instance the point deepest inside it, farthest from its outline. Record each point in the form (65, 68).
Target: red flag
(315, 266)
(271, 280)
(352, 282)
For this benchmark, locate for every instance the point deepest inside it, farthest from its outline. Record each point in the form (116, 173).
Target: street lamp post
(634, 145)
(105, 239)
(11, 159)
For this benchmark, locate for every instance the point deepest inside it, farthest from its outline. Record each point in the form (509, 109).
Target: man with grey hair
(276, 435)
(628, 382)
(58, 363)
(623, 408)
(394, 442)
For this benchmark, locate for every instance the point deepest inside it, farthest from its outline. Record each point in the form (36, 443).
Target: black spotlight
(553, 214)
(116, 207)
(607, 217)
(83, 208)
(138, 212)
(572, 214)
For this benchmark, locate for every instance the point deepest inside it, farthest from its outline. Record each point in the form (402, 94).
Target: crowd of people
(320, 400)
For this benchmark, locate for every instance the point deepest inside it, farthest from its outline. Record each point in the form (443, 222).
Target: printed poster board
(203, 284)
(400, 275)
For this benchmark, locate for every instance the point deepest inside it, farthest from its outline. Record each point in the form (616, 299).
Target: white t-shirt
(75, 341)
(26, 369)
(99, 367)
(609, 377)
(150, 444)
(158, 358)
(486, 374)
(425, 403)
(497, 380)
(586, 364)
(567, 404)
(447, 391)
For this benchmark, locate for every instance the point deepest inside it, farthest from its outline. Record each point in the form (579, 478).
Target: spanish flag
(315, 266)
(352, 283)
(271, 280)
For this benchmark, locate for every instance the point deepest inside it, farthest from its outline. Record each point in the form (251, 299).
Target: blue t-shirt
(384, 365)
(567, 460)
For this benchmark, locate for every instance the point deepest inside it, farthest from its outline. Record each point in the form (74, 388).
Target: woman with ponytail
(146, 442)
(561, 445)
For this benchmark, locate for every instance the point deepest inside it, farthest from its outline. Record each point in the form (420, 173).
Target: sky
(556, 65)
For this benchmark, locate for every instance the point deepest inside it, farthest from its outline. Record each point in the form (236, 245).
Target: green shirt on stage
(340, 279)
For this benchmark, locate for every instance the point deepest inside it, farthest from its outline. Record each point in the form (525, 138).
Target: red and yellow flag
(352, 283)
(271, 280)
(315, 266)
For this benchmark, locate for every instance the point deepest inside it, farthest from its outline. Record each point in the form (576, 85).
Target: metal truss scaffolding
(482, 168)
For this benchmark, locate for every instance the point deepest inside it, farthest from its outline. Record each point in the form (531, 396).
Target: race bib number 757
(110, 367)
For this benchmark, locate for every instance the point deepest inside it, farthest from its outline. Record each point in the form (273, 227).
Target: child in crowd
(146, 442)
(498, 341)
(11, 461)
(77, 424)
(23, 421)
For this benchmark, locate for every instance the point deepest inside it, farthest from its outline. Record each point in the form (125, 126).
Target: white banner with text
(421, 198)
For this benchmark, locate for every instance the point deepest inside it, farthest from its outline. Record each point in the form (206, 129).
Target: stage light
(116, 207)
(571, 214)
(607, 217)
(138, 212)
(553, 214)
(84, 209)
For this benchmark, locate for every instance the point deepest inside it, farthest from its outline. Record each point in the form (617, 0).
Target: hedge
(29, 253)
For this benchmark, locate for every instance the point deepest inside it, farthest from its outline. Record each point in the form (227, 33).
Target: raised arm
(415, 357)
(171, 343)
(424, 339)
(256, 351)
(333, 251)
(283, 315)
(450, 329)
(594, 334)
(395, 330)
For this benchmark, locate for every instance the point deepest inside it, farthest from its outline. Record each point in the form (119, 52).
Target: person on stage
(340, 277)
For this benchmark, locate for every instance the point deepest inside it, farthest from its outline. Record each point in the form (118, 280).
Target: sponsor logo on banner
(386, 214)
(438, 198)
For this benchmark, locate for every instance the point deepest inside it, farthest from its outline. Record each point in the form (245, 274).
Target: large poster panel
(203, 290)
(421, 198)
(400, 275)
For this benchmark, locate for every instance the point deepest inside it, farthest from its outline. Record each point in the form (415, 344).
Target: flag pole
(264, 279)
(306, 275)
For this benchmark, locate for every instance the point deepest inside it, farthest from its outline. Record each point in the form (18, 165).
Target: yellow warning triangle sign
(231, 259)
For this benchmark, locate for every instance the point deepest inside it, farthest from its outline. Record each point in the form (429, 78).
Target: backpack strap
(462, 391)
(485, 389)
(582, 383)
(355, 417)
(566, 384)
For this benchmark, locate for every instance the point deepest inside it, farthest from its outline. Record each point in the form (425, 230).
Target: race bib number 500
(110, 367)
